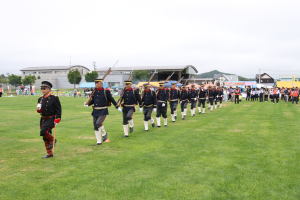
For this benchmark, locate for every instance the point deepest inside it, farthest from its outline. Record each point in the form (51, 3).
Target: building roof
(288, 76)
(159, 68)
(261, 75)
(50, 68)
(216, 76)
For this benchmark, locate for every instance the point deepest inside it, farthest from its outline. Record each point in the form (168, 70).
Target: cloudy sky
(231, 36)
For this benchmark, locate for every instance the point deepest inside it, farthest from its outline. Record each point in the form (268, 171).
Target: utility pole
(259, 76)
(95, 68)
(73, 71)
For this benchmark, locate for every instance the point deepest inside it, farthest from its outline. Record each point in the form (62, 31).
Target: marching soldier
(174, 95)
(211, 97)
(193, 97)
(130, 97)
(184, 99)
(101, 99)
(149, 103)
(162, 96)
(216, 96)
(202, 99)
(220, 96)
(50, 109)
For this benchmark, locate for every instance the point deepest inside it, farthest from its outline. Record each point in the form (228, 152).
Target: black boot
(47, 156)
(104, 137)
(153, 125)
(97, 144)
(130, 129)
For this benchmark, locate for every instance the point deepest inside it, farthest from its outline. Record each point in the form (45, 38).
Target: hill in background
(211, 75)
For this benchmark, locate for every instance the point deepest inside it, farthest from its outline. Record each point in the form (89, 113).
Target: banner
(240, 83)
(33, 90)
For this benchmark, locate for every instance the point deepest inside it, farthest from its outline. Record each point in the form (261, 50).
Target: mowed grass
(245, 151)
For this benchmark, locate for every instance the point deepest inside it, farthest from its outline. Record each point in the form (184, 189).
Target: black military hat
(46, 84)
(173, 83)
(98, 80)
(202, 85)
(183, 86)
(128, 82)
(146, 84)
(161, 83)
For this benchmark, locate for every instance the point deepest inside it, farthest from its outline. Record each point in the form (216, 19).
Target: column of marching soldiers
(50, 109)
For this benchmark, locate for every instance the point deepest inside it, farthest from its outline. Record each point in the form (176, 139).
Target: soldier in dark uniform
(216, 96)
(184, 99)
(220, 96)
(130, 97)
(193, 94)
(149, 103)
(101, 99)
(162, 95)
(202, 99)
(50, 109)
(211, 97)
(248, 93)
(174, 95)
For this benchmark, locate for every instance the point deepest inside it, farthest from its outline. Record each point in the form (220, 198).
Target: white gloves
(163, 104)
(141, 109)
(39, 106)
(195, 99)
(180, 102)
(154, 109)
(190, 104)
(119, 109)
(85, 105)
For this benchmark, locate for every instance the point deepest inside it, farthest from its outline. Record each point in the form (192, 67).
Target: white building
(221, 78)
(57, 75)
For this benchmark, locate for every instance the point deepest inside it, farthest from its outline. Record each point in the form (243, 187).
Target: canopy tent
(207, 85)
(90, 84)
(155, 84)
(114, 87)
(169, 84)
(196, 85)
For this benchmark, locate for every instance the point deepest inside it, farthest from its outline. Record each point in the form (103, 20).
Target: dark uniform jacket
(184, 95)
(174, 95)
(193, 94)
(211, 94)
(149, 98)
(215, 94)
(220, 93)
(131, 97)
(162, 96)
(202, 94)
(50, 106)
(99, 100)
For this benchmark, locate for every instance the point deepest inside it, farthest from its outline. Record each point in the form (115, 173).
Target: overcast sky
(231, 36)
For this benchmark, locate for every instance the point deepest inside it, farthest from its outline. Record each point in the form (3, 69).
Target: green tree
(28, 80)
(90, 77)
(140, 75)
(15, 80)
(71, 77)
(2, 76)
(3, 80)
(38, 77)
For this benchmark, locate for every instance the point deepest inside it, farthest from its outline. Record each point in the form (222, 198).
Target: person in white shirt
(261, 93)
(252, 94)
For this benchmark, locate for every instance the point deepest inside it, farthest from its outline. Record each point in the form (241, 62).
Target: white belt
(129, 105)
(161, 101)
(174, 100)
(148, 105)
(100, 108)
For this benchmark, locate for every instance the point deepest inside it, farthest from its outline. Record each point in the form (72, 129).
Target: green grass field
(245, 151)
